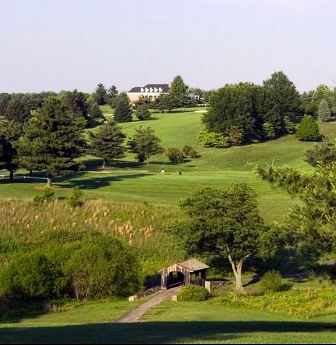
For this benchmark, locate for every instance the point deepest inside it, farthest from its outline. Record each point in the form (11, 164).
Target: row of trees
(257, 112)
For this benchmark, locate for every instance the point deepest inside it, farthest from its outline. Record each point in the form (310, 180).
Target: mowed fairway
(129, 182)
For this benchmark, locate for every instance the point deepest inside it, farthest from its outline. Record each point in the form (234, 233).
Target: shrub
(175, 155)
(74, 198)
(189, 151)
(102, 268)
(193, 293)
(44, 197)
(269, 130)
(236, 135)
(213, 139)
(31, 276)
(324, 153)
(308, 130)
(143, 113)
(271, 282)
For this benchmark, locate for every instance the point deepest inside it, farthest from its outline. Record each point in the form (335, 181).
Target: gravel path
(137, 313)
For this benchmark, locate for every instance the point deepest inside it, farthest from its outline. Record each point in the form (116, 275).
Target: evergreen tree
(100, 94)
(165, 103)
(324, 112)
(112, 94)
(95, 115)
(142, 113)
(52, 140)
(145, 143)
(107, 143)
(123, 111)
(18, 109)
(308, 130)
(10, 133)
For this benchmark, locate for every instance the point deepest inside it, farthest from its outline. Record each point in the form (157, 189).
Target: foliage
(145, 143)
(289, 125)
(324, 112)
(53, 139)
(308, 130)
(47, 195)
(31, 276)
(112, 95)
(269, 130)
(100, 95)
(212, 139)
(165, 103)
(75, 197)
(224, 222)
(302, 304)
(271, 282)
(178, 89)
(143, 113)
(103, 267)
(322, 154)
(123, 111)
(95, 115)
(236, 135)
(193, 293)
(189, 151)
(175, 155)
(107, 142)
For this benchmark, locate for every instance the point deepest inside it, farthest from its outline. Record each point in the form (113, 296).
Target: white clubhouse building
(150, 91)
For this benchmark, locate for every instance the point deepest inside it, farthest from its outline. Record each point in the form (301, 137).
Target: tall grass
(23, 223)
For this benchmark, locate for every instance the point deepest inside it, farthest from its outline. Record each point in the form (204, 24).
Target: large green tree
(107, 143)
(53, 139)
(178, 89)
(145, 144)
(282, 100)
(100, 94)
(224, 222)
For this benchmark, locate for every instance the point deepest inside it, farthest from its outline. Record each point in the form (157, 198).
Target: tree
(100, 94)
(175, 155)
(322, 92)
(165, 103)
(112, 94)
(10, 132)
(282, 100)
(18, 109)
(52, 140)
(224, 222)
(322, 154)
(77, 104)
(145, 143)
(178, 89)
(324, 112)
(308, 130)
(142, 112)
(95, 115)
(123, 111)
(108, 142)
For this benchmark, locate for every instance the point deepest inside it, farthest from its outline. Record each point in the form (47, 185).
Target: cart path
(137, 313)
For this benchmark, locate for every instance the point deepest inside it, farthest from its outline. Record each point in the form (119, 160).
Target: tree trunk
(11, 175)
(237, 270)
(104, 162)
(49, 180)
(148, 160)
(30, 173)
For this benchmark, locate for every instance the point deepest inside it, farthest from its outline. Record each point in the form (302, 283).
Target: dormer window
(151, 89)
(146, 89)
(142, 89)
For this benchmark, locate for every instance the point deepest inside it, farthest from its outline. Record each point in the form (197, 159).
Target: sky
(75, 44)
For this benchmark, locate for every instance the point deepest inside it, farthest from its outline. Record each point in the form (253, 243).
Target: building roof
(164, 87)
(193, 265)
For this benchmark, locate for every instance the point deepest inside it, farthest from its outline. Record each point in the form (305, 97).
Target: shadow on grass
(155, 332)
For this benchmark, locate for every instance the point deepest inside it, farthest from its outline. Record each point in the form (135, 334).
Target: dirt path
(137, 313)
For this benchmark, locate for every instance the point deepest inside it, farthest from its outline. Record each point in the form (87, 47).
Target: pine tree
(107, 143)
(308, 130)
(100, 94)
(324, 112)
(52, 140)
(123, 111)
(95, 116)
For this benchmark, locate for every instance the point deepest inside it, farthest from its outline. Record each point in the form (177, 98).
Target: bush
(213, 139)
(289, 125)
(271, 282)
(269, 130)
(308, 130)
(236, 135)
(143, 113)
(175, 155)
(44, 197)
(189, 151)
(74, 198)
(103, 267)
(31, 276)
(193, 293)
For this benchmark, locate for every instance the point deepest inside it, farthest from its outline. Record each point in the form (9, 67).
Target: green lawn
(168, 323)
(128, 182)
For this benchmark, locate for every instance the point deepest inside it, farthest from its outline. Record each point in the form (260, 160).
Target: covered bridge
(189, 272)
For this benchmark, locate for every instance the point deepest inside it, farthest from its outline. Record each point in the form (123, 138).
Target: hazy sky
(68, 44)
